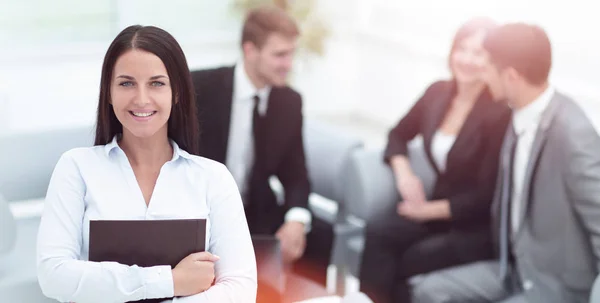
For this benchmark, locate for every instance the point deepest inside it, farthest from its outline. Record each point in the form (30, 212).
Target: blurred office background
(379, 56)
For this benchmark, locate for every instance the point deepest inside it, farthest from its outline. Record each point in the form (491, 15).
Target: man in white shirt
(252, 121)
(546, 211)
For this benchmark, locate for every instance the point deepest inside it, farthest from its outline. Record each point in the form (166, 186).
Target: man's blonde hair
(266, 20)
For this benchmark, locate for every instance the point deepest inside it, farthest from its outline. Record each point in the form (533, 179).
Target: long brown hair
(183, 125)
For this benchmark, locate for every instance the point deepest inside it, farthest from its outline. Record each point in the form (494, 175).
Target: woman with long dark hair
(144, 167)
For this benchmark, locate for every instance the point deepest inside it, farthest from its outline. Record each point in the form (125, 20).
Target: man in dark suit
(546, 211)
(252, 122)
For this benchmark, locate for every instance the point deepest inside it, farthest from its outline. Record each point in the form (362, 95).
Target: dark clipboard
(146, 243)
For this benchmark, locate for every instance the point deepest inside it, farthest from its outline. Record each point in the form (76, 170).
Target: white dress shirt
(440, 146)
(525, 122)
(98, 183)
(240, 150)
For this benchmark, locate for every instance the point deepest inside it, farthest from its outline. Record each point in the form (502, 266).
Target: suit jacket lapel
(536, 151)
(272, 120)
(223, 113)
(504, 156)
(469, 132)
(436, 115)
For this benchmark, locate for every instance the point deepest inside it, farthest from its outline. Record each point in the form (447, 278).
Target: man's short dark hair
(524, 47)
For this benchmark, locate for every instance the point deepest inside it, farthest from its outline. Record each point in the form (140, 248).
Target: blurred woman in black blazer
(462, 129)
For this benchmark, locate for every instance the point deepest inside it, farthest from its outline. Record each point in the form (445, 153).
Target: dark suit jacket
(284, 150)
(472, 163)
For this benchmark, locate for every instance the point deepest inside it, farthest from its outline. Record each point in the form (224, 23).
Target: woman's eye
(157, 83)
(126, 84)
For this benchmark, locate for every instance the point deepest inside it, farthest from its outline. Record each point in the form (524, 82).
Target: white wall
(49, 84)
(55, 85)
(404, 47)
(382, 55)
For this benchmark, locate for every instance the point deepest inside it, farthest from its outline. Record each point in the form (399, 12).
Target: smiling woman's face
(141, 94)
(468, 60)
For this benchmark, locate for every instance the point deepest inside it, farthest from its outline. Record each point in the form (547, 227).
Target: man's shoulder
(286, 94)
(570, 115)
(209, 76)
(286, 103)
(571, 125)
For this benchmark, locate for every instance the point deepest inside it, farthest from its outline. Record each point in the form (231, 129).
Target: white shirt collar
(243, 89)
(532, 113)
(177, 152)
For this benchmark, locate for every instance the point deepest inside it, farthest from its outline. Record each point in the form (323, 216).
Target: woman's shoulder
(495, 114)
(440, 86)
(213, 172)
(493, 107)
(78, 159)
(205, 164)
(84, 153)
(439, 90)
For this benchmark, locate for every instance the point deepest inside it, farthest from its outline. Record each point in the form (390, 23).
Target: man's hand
(293, 241)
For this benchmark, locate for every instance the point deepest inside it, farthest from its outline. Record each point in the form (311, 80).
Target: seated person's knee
(429, 289)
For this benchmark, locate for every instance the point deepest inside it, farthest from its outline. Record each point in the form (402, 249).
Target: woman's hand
(194, 274)
(418, 212)
(423, 212)
(411, 188)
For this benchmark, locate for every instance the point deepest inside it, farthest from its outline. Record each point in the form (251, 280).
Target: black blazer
(284, 150)
(472, 163)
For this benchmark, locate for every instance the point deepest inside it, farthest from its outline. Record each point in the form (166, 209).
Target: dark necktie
(257, 130)
(505, 202)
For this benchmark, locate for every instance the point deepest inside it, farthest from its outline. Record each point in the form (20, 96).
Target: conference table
(328, 299)
(300, 289)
